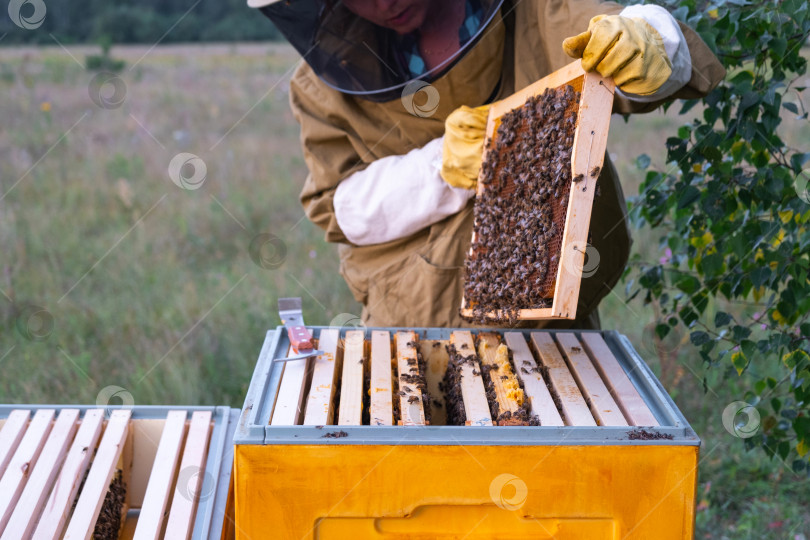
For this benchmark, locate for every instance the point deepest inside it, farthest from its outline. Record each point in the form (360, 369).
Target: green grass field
(112, 275)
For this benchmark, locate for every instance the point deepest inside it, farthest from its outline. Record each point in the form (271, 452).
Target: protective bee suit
(373, 142)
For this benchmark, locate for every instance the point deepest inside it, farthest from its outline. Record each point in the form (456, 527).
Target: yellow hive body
(471, 492)
(588, 471)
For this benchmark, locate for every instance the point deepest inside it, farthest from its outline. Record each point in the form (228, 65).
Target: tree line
(129, 21)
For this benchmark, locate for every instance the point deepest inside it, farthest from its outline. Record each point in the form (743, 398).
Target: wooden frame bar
(411, 407)
(350, 412)
(491, 355)
(28, 507)
(436, 358)
(617, 381)
(288, 410)
(542, 404)
(381, 407)
(319, 409)
(11, 434)
(588, 153)
(575, 409)
(158, 490)
(190, 478)
(55, 513)
(602, 405)
(98, 479)
(25, 457)
(476, 406)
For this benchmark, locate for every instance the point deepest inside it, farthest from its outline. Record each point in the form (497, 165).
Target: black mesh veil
(354, 55)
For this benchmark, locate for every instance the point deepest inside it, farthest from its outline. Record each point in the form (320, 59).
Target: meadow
(114, 275)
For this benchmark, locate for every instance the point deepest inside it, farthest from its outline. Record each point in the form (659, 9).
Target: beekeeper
(388, 100)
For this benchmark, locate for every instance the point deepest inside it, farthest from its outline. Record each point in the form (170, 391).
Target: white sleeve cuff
(675, 45)
(397, 196)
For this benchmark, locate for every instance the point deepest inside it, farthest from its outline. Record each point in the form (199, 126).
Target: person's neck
(438, 36)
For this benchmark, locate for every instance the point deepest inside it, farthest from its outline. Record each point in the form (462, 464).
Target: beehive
(140, 472)
(568, 248)
(322, 449)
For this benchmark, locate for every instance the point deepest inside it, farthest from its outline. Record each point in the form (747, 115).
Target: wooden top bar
(381, 407)
(472, 385)
(98, 479)
(190, 478)
(158, 490)
(617, 381)
(411, 407)
(575, 410)
(351, 384)
(507, 389)
(602, 405)
(56, 511)
(319, 408)
(13, 430)
(28, 507)
(25, 457)
(290, 400)
(535, 387)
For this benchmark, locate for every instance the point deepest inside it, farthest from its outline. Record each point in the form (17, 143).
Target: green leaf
(791, 107)
(721, 318)
(749, 348)
(687, 283)
(699, 338)
(739, 361)
(687, 196)
(760, 275)
(796, 359)
(783, 449)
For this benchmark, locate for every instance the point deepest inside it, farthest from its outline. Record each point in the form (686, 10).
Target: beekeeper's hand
(464, 132)
(627, 49)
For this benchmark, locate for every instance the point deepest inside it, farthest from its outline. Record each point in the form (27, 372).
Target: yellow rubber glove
(464, 132)
(627, 49)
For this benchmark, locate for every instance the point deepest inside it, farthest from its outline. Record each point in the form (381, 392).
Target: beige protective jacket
(418, 281)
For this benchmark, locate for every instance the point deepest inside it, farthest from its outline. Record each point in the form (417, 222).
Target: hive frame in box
(437, 481)
(254, 423)
(588, 154)
(210, 521)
